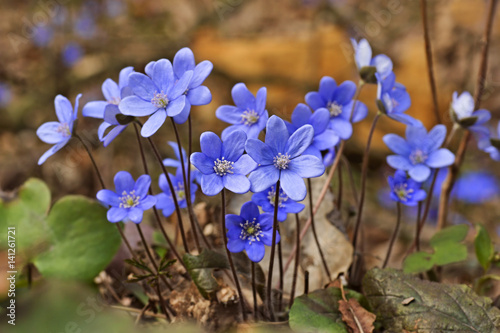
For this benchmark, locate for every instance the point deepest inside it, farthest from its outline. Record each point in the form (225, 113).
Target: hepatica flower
(108, 109)
(405, 190)
(223, 164)
(249, 115)
(324, 138)
(59, 132)
(338, 101)
(196, 93)
(281, 158)
(176, 163)
(130, 199)
(266, 199)
(463, 114)
(491, 145)
(250, 231)
(165, 200)
(157, 95)
(368, 66)
(419, 152)
(393, 100)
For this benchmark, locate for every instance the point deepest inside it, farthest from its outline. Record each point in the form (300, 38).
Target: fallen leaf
(357, 318)
(408, 300)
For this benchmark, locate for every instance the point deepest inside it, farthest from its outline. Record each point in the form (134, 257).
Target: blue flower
(419, 152)
(5, 94)
(108, 110)
(42, 35)
(368, 66)
(281, 158)
(196, 93)
(405, 190)
(338, 101)
(463, 114)
(266, 199)
(491, 145)
(71, 53)
(157, 94)
(249, 115)
(58, 132)
(393, 100)
(130, 200)
(165, 201)
(223, 164)
(329, 157)
(85, 24)
(324, 138)
(176, 163)
(250, 231)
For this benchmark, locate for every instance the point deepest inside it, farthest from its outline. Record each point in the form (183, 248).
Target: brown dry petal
(357, 318)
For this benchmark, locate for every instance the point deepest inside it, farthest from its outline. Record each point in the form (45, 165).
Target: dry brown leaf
(357, 318)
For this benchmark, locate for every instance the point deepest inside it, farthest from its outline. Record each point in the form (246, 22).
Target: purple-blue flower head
(405, 190)
(5, 94)
(130, 199)
(71, 53)
(491, 145)
(250, 231)
(419, 152)
(223, 164)
(59, 132)
(368, 66)
(249, 115)
(196, 93)
(324, 138)
(108, 109)
(266, 199)
(338, 101)
(463, 114)
(42, 35)
(157, 95)
(165, 201)
(282, 158)
(176, 163)
(393, 100)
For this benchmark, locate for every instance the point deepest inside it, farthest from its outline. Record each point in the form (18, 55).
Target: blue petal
(419, 172)
(341, 127)
(135, 106)
(211, 184)
(181, 86)
(307, 166)
(259, 151)
(163, 75)
(435, 137)
(405, 119)
(94, 109)
(383, 64)
(399, 162)
(110, 90)
(236, 183)
(123, 182)
(267, 237)
(142, 86)
(183, 61)
(108, 197)
(294, 207)
(176, 106)
(123, 77)
(242, 97)
(135, 215)
(263, 178)
(401, 97)
(200, 95)
(163, 183)
(482, 115)
(183, 116)
(113, 134)
(327, 87)
(277, 134)
(314, 100)
(233, 221)
(235, 245)
(249, 211)
(229, 114)
(301, 115)
(313, 151)
(165, 204)
(51, 151)
(325, 140)
(260, 100)
(116, 214)
(148, 202)
(415, 134)
(440, 158)
(255, 251)
(49, 133)
(102, 129)
(319, 121)
(201, 72)
(110, 113)
(234, 146)
(254, 130)
(299, 141)
(149, 68)
(64, 110)
(203, 163)
(293, 185)
(244, 165)
(142, 185)
(362, 52)
(397, 144)
(344, 92)
(211, 145)
(154, 123)
(419, 195)
(360, 111)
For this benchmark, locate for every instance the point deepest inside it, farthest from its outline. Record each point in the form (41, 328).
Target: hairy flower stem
(338, 202)
(155, 210)
(364, 173)
(229, 256)
(254, 293)
(430, 65)
(297, 258)
(481, 77)
(394, 235)
(315, 234)
(417, 226)
(186, 185)
(269, 300)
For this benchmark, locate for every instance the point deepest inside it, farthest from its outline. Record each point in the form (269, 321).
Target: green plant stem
(269, 300)
(230, 257)
(297, 259)
(394, 235)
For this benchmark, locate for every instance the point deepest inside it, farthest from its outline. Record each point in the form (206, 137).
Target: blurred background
(51, 47)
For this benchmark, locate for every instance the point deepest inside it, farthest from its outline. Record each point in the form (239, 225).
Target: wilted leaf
(201, 268)
(484, 247)
(357, 318)
(436, 307)
(319, 311)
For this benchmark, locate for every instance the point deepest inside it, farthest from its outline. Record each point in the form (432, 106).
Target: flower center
(160, 100)
(114, 101)
(281, 161)
(129, 200)
(418, 156)
(251, 230)
(334, 108)
(403, 192)
(64, 129)
(180, 192)
(222, 167)
(271, 196)
(249, 117)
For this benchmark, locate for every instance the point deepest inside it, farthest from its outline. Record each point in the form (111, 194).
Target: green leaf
(484, 247)
(436, 307)
(418, 262)
(448, 253)
(201, 267)
(27, 214)
(139, 264)
(83, 241)
(453, 234)
(319, 311)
